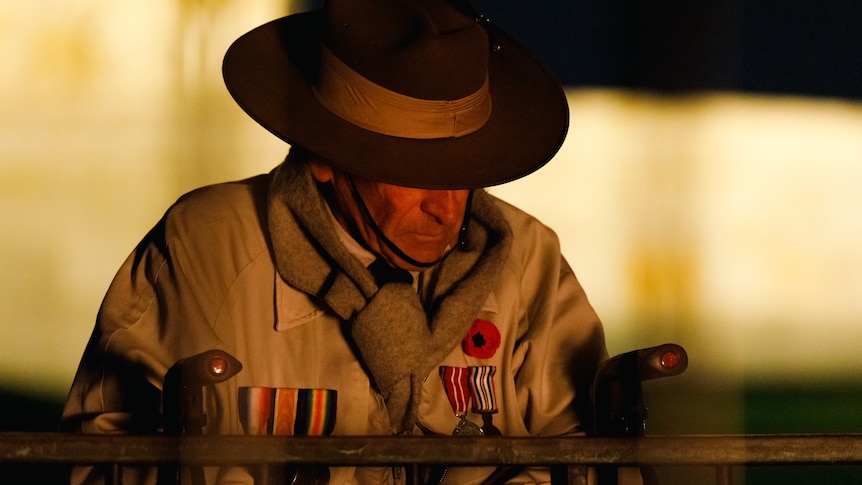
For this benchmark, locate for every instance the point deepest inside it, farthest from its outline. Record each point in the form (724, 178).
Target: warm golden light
(726, 223)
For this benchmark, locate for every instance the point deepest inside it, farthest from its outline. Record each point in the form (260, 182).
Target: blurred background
(708, 194)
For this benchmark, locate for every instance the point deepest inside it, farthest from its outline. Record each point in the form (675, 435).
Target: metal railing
(567, 457)
(618, 439)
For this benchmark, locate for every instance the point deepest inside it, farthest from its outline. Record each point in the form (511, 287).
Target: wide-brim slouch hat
(416, 93)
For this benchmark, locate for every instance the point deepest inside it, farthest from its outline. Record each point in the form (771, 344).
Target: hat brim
(269, 72)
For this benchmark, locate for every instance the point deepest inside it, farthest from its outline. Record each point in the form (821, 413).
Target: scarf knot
(400, 339)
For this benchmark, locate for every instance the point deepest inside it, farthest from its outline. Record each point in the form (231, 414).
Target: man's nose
(447, 206)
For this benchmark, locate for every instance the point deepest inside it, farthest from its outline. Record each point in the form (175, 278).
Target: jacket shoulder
(219, 210)
(216, 226)
(209, 204)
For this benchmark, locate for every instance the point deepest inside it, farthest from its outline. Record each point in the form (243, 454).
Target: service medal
(455, 383)
(465, 427)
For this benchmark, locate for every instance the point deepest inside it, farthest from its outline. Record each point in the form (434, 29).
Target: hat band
(366, 104)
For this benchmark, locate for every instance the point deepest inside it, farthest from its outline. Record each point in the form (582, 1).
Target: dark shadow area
(689, 407)
(795, 408)
(802, 47)
(23, 412)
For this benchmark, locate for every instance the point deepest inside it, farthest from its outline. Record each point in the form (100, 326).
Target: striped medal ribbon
(285, 411)
(484, 395)
(455, 382)
(315, 412)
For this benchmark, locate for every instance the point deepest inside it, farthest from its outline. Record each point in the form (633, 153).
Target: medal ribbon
(284, 411)
(287, 411)
(255, 409)
(455, 382)
(315, 412)
(481, 381)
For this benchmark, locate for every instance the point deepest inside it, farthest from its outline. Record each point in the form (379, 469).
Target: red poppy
(482, 340)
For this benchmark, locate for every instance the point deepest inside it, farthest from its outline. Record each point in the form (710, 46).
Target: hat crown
(422, 59)
(421, 48)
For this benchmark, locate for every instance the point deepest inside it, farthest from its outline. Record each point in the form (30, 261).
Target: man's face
(423, 223)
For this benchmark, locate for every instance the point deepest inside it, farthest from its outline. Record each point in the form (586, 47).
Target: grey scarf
(400, 338)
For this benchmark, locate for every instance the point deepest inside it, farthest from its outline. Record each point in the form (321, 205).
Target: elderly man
(368, 277)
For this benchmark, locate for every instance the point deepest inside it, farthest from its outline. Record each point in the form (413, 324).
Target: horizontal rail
(61, 448)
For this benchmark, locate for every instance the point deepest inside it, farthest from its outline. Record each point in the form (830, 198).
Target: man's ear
(322, 172)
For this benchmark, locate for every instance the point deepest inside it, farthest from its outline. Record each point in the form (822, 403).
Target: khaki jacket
(205, 278)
